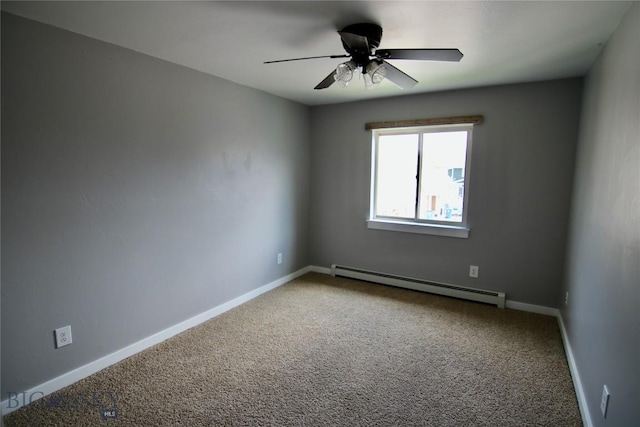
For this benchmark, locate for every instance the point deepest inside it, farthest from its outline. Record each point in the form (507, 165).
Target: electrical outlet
(63, 336)
(604, 403)
(566, 298)
(473, 271)
(279, 258)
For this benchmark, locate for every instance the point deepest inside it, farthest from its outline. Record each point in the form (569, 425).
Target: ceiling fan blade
(308, 57)
(400, 78)
(355, 43)
(453, 55)
(328, 81)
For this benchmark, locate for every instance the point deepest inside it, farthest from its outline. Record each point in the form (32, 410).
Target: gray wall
(135, 194)
(603, 263)
(521, 179)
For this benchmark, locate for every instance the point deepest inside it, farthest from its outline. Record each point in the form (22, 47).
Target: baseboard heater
(480, 295)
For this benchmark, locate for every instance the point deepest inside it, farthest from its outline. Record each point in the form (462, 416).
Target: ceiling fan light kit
(375, 72)
(344, 73)
(361, 42)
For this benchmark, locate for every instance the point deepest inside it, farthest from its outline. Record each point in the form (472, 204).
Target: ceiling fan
(361, 42)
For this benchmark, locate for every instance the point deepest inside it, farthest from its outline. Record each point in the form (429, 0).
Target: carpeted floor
(325, 351)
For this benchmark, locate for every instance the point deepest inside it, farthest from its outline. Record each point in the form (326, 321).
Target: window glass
(444, 156)
(396, 175)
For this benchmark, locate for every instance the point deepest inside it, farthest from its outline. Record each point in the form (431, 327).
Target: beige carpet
(325, 351)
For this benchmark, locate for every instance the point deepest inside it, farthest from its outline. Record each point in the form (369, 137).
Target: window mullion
(419, 169)
(374, 177)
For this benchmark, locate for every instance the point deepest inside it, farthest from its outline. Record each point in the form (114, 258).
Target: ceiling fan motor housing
(373, 34)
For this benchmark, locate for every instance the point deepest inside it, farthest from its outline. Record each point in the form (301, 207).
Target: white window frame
(415, 225)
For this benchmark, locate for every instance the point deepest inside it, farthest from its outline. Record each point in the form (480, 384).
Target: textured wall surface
(520, 190)
(603, 262)
(135, 194)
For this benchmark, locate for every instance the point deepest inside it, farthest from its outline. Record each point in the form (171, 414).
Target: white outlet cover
(63, 336)
(473, 271)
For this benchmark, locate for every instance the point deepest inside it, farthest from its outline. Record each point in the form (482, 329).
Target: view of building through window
(442, 176)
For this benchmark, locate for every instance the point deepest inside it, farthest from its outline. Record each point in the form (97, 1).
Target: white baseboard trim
(317, 269)
(532, 308)
(55, 384)
(575, 376)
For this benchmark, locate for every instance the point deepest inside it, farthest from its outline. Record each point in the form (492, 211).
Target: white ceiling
(502, 42)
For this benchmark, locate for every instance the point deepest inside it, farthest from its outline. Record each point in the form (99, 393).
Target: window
(420, 179)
